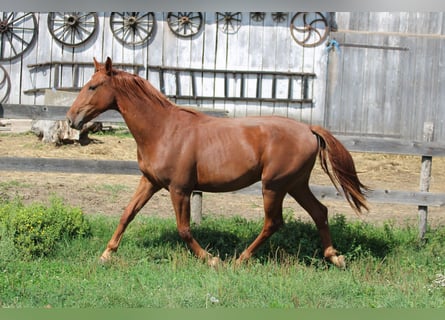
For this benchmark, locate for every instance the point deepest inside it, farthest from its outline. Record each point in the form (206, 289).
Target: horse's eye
(92, 88)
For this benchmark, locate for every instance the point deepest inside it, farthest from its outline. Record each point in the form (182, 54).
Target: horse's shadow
(297, 239)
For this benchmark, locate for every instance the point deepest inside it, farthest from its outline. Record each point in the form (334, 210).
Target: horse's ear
(109, 66)
(96, 65)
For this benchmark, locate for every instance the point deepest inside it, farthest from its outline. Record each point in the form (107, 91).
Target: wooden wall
(385, 79)
(256, 46)
(388, 77)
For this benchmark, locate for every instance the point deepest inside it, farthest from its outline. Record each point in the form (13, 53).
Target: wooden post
(196, 207)
(425, 178)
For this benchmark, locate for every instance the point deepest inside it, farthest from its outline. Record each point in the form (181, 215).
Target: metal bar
(369, 46)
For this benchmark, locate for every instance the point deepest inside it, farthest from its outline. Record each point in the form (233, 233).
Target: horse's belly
(226, 179)
(225, 186)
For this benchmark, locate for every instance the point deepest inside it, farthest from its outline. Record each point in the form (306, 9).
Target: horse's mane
(136, 88)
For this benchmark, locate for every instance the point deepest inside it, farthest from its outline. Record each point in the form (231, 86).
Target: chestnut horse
(183, 150)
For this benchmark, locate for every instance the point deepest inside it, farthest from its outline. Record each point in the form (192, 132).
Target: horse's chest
(165, 172)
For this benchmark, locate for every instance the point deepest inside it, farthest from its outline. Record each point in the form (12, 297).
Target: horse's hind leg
(143, 193)
(319, 213)
(273, 220)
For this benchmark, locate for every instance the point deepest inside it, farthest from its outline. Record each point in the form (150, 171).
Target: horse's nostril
(70, 123)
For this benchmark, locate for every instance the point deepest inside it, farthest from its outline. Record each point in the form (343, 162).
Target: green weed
(35, 230)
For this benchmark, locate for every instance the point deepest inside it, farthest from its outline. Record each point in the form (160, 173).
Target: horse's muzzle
(74, 124)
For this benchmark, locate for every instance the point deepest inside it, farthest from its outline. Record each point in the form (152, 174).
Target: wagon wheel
(17, 33)
(309, 29)
(229, 22)
(132, 28)
(72, 28)
(257, 16)
(184, 24)
(279, 17)
(5, 85)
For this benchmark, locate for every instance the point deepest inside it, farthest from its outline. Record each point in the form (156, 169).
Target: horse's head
(95, 97)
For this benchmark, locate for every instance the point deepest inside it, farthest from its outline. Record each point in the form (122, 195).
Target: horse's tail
(343, 169)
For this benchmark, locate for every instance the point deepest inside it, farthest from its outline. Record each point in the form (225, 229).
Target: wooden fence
(424, 149)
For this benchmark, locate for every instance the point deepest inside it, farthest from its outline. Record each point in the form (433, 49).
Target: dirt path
(109, 194)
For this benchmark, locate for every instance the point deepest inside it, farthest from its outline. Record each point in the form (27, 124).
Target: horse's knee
(272, 226)
(277, 224)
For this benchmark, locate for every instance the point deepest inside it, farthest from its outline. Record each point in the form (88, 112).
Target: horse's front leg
(143, 193)
(181, 204)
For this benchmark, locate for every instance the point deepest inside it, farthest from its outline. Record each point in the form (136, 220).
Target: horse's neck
(146, 119)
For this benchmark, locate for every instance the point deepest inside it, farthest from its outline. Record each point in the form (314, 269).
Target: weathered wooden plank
(333, 102)
(392, 146)
(155, 52)
(206, 81)
(237, 59)
(131, 168)
(69, 165)
(376, 196)
(439, 130)
(44, 112)
(254, 62)
(392, 107)
(371, 115)
(316, 111)
(387, 196)
(354, 104)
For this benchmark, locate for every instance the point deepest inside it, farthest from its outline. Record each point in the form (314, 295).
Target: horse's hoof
(243, 258)
(104, 259)
(339, 261)
(238, 262)
(213, 262)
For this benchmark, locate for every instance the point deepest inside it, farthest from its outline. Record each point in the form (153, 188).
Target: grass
(387, 267)
(13, 184)
(119, 130)
(113, 190)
